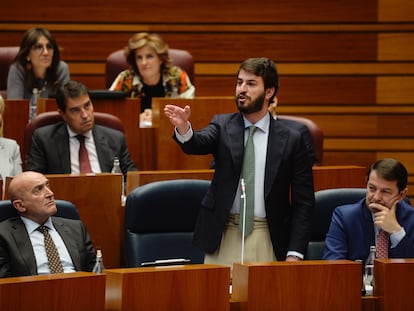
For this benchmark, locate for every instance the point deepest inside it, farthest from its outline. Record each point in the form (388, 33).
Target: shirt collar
(32, 225)
(262, 124)
(72, 134)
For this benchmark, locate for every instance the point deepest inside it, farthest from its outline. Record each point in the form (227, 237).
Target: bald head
(32, 197)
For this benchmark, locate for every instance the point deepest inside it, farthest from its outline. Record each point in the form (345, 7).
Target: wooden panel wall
(346, 64)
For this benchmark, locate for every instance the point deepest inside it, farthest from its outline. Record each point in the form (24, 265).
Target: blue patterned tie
(248, 176)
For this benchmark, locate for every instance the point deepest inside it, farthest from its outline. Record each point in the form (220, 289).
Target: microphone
(243, 188)
(243, 196)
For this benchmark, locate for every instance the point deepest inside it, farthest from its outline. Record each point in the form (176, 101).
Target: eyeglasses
(39, 48)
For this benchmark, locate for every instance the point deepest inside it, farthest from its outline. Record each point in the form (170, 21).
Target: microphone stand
(243, 196)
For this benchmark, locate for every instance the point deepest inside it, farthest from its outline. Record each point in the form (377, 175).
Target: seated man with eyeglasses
(37, 65)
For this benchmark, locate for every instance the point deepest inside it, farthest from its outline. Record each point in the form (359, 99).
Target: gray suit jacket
(289, 192)
(49, 153)
(16, 253)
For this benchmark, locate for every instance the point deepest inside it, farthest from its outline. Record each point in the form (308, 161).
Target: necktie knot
(43, 229)
(252, 129)
(81, 138)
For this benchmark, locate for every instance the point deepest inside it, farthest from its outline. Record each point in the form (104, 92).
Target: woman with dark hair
(37, 65)
(152, 73)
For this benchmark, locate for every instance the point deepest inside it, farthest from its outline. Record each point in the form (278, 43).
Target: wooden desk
(296, 286)
(181, 288)
(325, 177)
(63, 292)
(393, 284)
(16, 114)
(98, 200)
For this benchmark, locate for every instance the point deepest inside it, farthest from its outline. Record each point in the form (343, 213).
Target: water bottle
(116, 169)
(33, 104)
(99, 266)
(369, 271)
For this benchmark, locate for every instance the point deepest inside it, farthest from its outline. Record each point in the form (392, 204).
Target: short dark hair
(262, 67)
(391, 170)
(72, 89)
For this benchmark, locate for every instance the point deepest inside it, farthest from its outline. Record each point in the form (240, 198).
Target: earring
(28, 65)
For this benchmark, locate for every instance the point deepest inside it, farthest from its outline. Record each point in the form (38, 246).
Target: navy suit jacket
(351, 232)
(49, 152)
(16, 252)
(288, 171)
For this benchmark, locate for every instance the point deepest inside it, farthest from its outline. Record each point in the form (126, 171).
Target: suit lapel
(234, 127)
(24, 245)
(102, 147)
(69, 241)
(62, 148)
(277, 140)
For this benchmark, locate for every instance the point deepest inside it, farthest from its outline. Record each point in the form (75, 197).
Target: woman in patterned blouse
(152, 73)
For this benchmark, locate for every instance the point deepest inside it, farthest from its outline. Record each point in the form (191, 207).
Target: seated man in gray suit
(23, 248)
(56, 148)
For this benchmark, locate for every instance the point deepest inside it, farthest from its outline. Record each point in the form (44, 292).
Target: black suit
(49, 153)
(16, 252)
(288, 169)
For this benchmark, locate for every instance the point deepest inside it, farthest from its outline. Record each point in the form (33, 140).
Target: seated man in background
(355, 227)
(23, 249)
(60, 148)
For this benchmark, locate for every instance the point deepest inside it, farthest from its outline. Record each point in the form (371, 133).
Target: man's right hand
(178, 117)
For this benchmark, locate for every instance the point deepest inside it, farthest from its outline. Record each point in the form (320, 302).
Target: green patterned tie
(248, 176)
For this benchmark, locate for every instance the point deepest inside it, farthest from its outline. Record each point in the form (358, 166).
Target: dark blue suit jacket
(49, 153)
(288, 174)
(352, 232)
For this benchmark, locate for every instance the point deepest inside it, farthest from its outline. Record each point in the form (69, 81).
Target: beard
(253, 106)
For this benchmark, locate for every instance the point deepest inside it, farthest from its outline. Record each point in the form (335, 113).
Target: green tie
(248, 176)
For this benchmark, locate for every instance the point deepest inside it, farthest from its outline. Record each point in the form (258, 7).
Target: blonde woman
(10, 159)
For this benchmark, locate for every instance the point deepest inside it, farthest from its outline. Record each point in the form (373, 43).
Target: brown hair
(155, 42)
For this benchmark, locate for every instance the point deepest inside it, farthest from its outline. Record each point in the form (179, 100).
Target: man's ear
(403, 194)
(269, 93)
(62, 114)
(19, 206)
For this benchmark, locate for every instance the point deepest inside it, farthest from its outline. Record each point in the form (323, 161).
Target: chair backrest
(65, 209)
(159, 221)
(7, 55)
(315, 132)
(325, 203)
(51, 117)
(116, 62)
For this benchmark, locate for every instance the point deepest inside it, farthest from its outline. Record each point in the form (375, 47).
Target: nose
(84, 113)
(243, 87)
(49, 192)
(45, 50)
(377, 196)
